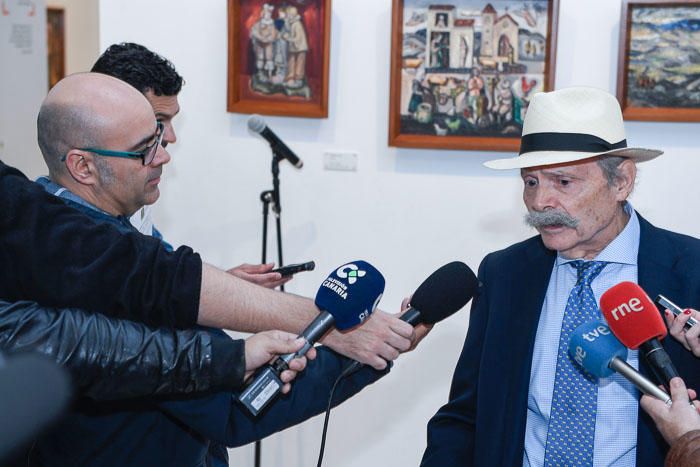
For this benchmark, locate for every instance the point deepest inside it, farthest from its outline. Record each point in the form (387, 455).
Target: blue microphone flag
(351, 293)
(593, 346)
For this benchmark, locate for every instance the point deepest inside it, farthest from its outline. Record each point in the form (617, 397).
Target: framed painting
(278, 57)
(659, 60)
(463, 71)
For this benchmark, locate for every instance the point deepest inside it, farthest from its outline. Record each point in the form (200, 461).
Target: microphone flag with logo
(636, 321)
(346, 298)
(632, 315)
(593, 346)
(351, 293)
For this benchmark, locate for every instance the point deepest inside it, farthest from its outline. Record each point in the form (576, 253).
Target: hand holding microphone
(675, 419)
(262, 347)
(442, 294)
(634, 320)
(346, 298)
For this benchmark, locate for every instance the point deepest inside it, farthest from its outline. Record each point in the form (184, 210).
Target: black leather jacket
(112, 359)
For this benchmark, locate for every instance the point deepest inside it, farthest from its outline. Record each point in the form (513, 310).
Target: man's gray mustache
(550, 217)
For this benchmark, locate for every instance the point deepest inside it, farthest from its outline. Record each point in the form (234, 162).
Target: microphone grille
(445, 291)
(256, 124)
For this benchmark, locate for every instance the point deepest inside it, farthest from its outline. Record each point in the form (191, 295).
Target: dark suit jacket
(189, 432)
(483, 424)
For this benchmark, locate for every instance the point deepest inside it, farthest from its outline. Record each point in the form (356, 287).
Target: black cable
(349, 369)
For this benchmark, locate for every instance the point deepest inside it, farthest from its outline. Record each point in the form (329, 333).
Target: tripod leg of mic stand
(280, 261)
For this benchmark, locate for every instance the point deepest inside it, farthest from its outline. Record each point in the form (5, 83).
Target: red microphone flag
(631, 315)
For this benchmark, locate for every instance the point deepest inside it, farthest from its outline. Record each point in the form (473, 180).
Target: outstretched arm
(232, 303)
(219, 417)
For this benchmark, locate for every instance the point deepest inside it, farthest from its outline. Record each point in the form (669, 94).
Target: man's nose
(162, 157)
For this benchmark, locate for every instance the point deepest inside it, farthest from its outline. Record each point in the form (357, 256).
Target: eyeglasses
(146, 155)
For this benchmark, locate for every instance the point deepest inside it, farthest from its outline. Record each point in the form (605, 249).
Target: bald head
(88, 110)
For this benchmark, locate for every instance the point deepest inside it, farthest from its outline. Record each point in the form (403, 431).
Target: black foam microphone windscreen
(444, 292)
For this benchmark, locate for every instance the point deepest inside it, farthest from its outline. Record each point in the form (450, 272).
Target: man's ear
(624, 184)
(81, 167)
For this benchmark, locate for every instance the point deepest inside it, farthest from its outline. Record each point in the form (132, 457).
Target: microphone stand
(271, 198)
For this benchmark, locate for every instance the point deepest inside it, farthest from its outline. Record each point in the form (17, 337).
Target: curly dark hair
(141, 68)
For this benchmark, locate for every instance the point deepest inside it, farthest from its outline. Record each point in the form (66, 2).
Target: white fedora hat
(570, 125)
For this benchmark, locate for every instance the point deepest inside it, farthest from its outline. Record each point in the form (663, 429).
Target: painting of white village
(469, 67)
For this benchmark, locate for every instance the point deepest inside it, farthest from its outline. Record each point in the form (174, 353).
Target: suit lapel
(655, 262)
(655, 269)
(531, 281)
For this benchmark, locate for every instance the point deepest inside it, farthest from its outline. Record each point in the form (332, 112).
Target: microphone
(594, 347)
(634, 319)
(34, 392)
(347, 297)
(442, 294)
(256, 124)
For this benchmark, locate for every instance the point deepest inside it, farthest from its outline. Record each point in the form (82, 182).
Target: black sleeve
(308, 398)
(53, 254)
(111, 359)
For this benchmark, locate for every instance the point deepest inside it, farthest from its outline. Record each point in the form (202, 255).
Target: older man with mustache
(516, 397)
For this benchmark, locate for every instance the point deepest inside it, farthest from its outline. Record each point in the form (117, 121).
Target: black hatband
(578, 142)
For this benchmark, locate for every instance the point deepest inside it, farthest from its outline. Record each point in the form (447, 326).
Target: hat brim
(541, 158)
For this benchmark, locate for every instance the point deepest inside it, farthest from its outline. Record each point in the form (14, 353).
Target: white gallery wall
(23, 81)
(24, 70)
(406, 211)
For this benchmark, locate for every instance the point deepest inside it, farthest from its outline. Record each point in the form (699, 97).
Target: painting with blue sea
(664, 57)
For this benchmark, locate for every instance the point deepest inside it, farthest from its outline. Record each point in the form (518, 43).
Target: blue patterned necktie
(571, 429)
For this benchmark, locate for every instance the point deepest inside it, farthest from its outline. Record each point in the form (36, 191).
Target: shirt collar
(624, 248)
(62, 192)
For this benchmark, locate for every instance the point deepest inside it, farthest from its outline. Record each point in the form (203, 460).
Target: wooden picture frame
(657, 77)
(462, 76)
(56, 44)
(278, 57)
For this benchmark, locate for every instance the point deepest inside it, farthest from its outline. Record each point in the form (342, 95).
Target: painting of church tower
(499, 38)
